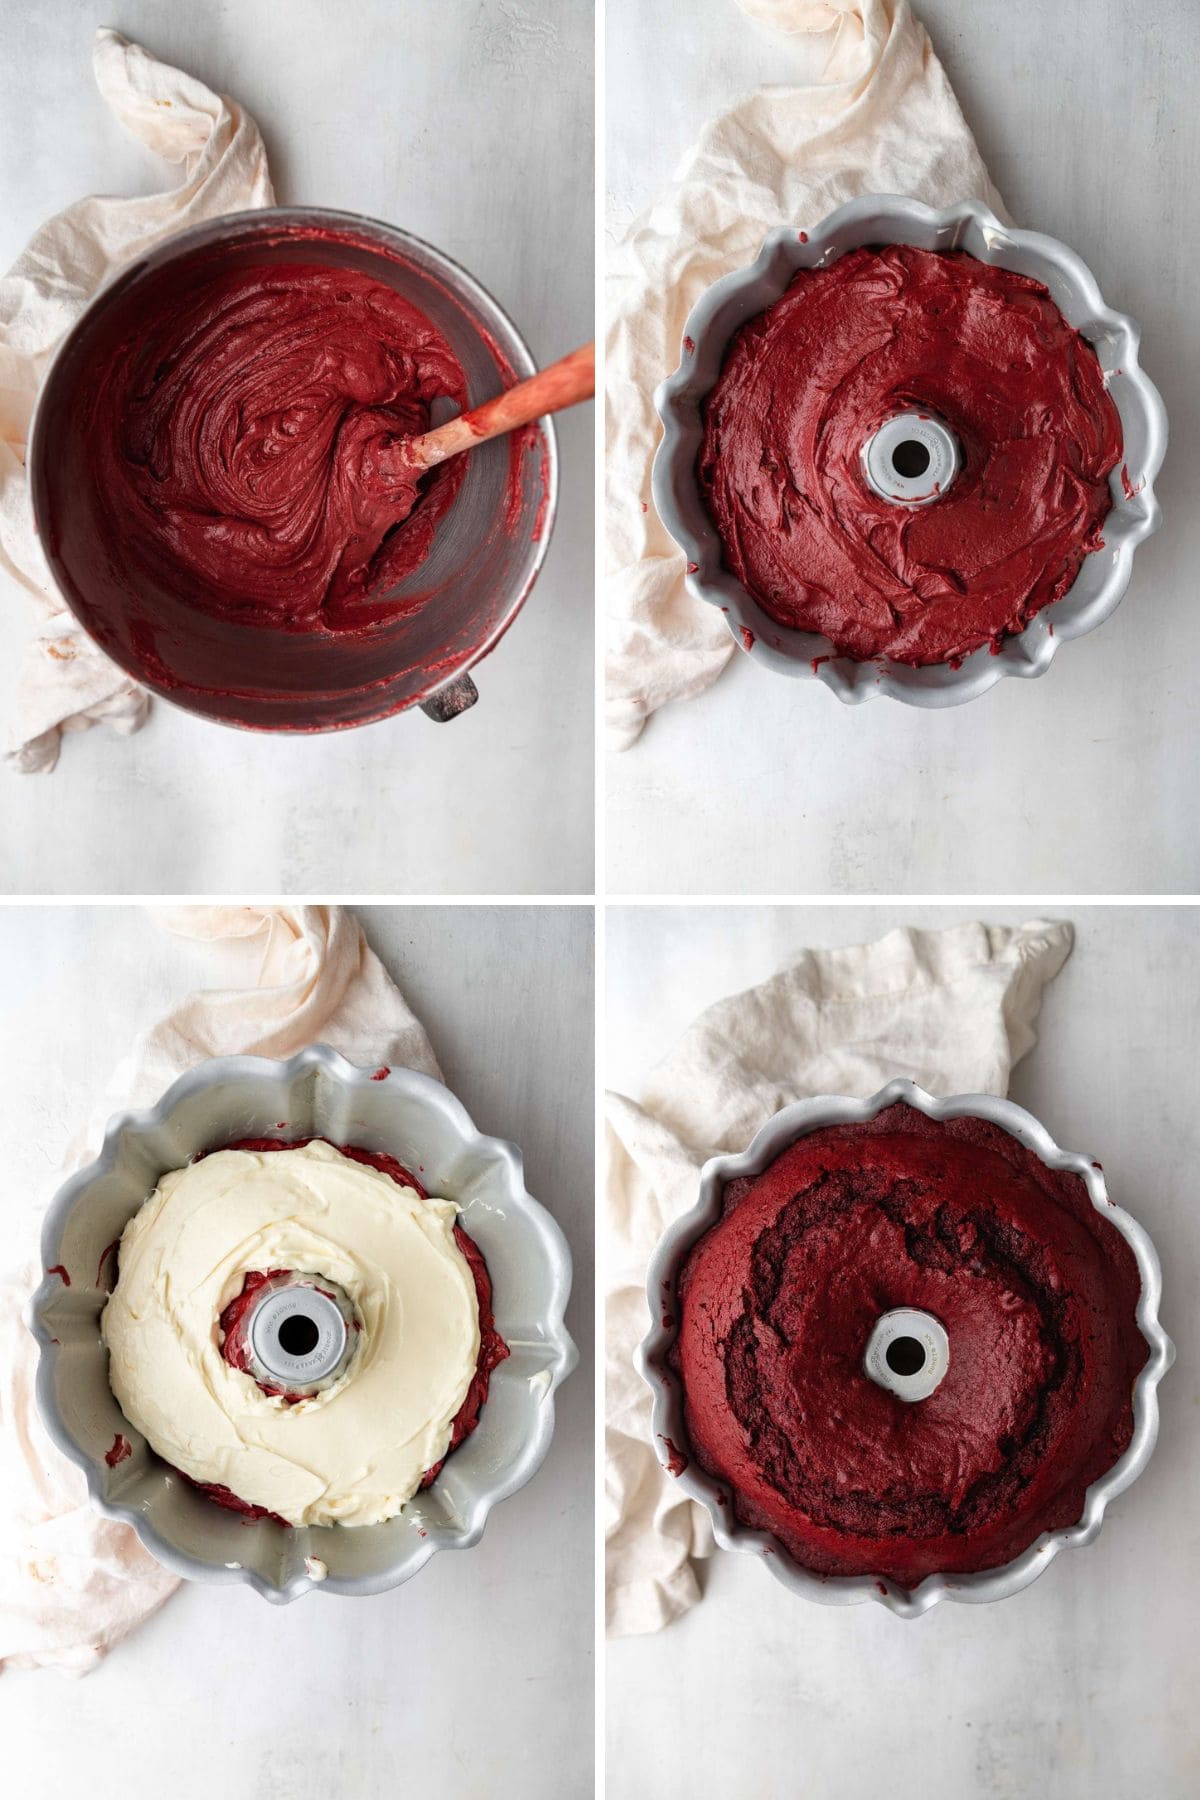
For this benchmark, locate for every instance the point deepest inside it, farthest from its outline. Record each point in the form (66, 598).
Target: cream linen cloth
(881, 118)
(73, 1584)
(953, 1009)
(66, 682)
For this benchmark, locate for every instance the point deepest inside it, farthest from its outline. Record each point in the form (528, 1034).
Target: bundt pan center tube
(904, 1349)
(854, 451)
(297, 1334)
(211, 473)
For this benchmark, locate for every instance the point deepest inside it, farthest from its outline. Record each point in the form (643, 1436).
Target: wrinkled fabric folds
(881, 118)
(951, 1009)
(66, 683)
(72, 1583)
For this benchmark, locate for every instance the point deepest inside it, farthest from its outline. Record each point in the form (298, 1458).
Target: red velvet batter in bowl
(246, 437)
(492, 1348)
(847, 347)
(215, 479)
(1037, 1293)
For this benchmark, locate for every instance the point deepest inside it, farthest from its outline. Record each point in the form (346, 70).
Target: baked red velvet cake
(877, 334)
(1037, 1293)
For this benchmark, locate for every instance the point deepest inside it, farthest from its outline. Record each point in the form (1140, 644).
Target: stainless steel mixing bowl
(891, 219)
(486, 553)
(670, 1431)
(316, 1093)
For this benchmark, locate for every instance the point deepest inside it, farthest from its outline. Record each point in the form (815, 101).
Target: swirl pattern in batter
(882, 332)
(248, 439)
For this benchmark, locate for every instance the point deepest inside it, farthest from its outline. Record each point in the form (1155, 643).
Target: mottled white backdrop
(1083, 1686)
(470, 124)
(475, 1680)
(1087, 780)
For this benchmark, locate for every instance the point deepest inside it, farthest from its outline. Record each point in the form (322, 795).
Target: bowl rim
(781, 1131)
(805, 655)
(246, 221)
(427, 1090)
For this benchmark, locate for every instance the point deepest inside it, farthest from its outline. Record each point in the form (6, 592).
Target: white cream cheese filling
(355, 1452)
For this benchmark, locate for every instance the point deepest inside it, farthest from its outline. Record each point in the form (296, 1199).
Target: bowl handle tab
(449, 701)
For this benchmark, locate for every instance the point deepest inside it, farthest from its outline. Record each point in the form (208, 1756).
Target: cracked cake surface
(1035, 1288)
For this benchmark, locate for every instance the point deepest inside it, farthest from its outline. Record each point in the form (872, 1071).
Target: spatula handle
(564, 383)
